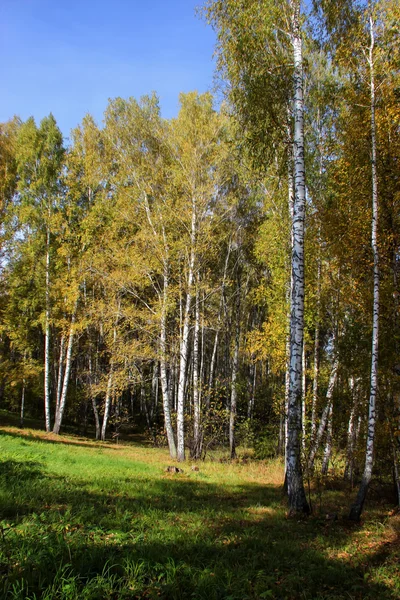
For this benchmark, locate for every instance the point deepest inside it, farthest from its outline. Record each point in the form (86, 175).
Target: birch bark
(356, 509)
(196, 450)
(184, 345)
(235, 369)
(47, 337)
(93, 398)
(165, 388)
(63, 397)
(294, 476)
(324, 416)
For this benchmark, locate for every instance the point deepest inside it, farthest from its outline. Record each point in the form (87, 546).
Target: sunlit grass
(82, 519)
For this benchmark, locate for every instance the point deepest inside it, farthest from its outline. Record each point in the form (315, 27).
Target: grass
(97, 521)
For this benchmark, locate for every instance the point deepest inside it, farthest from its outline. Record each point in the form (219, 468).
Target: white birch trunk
(351, 436)
(196, 449)
(63, 397)
(184, 345)
(154, 389)
(107, 404)
(47, 338)
(22, 404)
(315, 385)
(290, 284)
(294, 476)
(93, 399)
(250, 406)
(235, 369)
(216, 339)
(357, 507)
(324, 416)
(202, 357)
(60, 371)
(303, 396)
(165, 388)
(328, 443)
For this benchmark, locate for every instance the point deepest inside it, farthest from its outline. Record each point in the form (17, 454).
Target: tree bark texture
(356, 509)
(184, 345)
(294, 476)
(47, 337)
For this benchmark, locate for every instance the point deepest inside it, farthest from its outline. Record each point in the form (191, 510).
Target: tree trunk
(165, 387)
(356, 509)
(60, 371)
(108, 398)
(196, 448)
(324, 416)
(47, 338)
(328, 444)
(154, 389)
(216, 339)
(290, 169)
(303, 396)
(351, 437)
(250, 406)
(235, 369)
(22, 404)
(315, 385)
(107, 405)
(63, 397)
(294, 476)
(94, 404)
(184, 345)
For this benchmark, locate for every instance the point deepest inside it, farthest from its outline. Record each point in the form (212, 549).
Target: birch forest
(228, 278)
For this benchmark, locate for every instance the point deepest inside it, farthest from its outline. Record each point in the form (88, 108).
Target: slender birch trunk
(68, 363)
(94, 404)
(356, 509)
(316, 356)
(290, 285)
(47, 337)
(196, 449)
(60, 371)
(294, 476)
(202, 356)
(235, 369)
(250, 406)
(184, 345)
(351, 436)
(219, 318)
(165, 387)
(154, 389)
(328, 443)
(144, 403)
(22, 403)
(108, 399)
(107, 404)
(324, 416)
(167, 384)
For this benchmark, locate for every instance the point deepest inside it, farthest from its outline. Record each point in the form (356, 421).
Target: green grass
(96, 521)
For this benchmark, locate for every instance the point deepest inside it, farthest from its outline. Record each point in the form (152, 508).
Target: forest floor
(87, 520)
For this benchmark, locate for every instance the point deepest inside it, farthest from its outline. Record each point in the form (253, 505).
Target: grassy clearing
(97, 521)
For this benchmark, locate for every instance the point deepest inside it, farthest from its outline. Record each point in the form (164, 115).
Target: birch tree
(40, 156)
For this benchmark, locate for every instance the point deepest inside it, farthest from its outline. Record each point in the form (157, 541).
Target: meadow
(88, 520)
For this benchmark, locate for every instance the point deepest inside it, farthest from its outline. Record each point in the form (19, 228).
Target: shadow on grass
(133, 440)
(164, 537)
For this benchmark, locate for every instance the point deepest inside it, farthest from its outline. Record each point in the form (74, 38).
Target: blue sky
(68, 56)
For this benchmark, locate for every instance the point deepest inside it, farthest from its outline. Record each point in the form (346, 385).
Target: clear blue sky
(68, 56)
